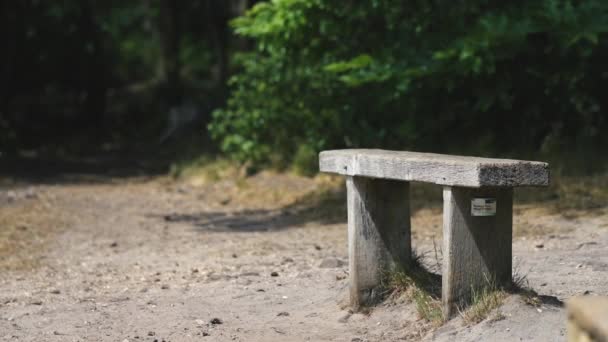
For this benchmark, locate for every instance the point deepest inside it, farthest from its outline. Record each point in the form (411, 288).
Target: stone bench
(477, 216)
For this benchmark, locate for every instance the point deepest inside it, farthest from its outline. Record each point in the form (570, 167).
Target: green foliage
(475, 76)
(306, 161)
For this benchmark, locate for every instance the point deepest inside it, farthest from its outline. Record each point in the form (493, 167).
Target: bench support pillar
(476, 249)
(379, 237)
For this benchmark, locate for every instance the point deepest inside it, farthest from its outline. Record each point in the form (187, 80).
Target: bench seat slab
(379, 236)
(435, 168)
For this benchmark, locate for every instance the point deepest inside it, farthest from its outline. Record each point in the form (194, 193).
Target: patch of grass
(569, 193)
(428, 307)
(578, 193)
(483, 302)
(203, 169)
(305, 161)
(242, 184)
(420, 286)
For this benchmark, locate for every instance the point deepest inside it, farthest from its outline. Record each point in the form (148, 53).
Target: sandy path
(151, 261)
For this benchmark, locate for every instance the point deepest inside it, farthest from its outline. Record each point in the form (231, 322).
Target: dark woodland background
(271, 83)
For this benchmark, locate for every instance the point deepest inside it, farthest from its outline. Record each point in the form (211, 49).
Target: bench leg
(476, 249)
(379, 237)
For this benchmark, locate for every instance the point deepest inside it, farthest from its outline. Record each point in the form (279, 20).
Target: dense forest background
(274, 82)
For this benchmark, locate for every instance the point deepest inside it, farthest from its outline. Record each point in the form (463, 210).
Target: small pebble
(344, 318)
(331, 263)
(216, 321)
(274, 274)
(284, 313)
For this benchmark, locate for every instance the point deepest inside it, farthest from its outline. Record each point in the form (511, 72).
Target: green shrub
(483, 76)
(306, 161)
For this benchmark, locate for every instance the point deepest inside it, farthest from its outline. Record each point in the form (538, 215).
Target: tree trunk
(217, 13)
(170, 35)
(9, 34)
(95, 68)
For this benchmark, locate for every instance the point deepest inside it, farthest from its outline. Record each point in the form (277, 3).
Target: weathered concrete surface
(588, 319)
(476, 249)
(379, 236)
(435, 168)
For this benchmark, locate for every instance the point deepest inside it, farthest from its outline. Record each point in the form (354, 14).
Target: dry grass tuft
(568, 193)
(483, 302)
(428, 307)
(421, 287)
(204, 170)
(582, 193)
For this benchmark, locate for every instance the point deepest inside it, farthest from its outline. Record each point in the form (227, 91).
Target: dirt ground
(142, 259)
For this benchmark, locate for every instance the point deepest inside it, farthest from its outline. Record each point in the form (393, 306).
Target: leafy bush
(305, 161)
(470, 77)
